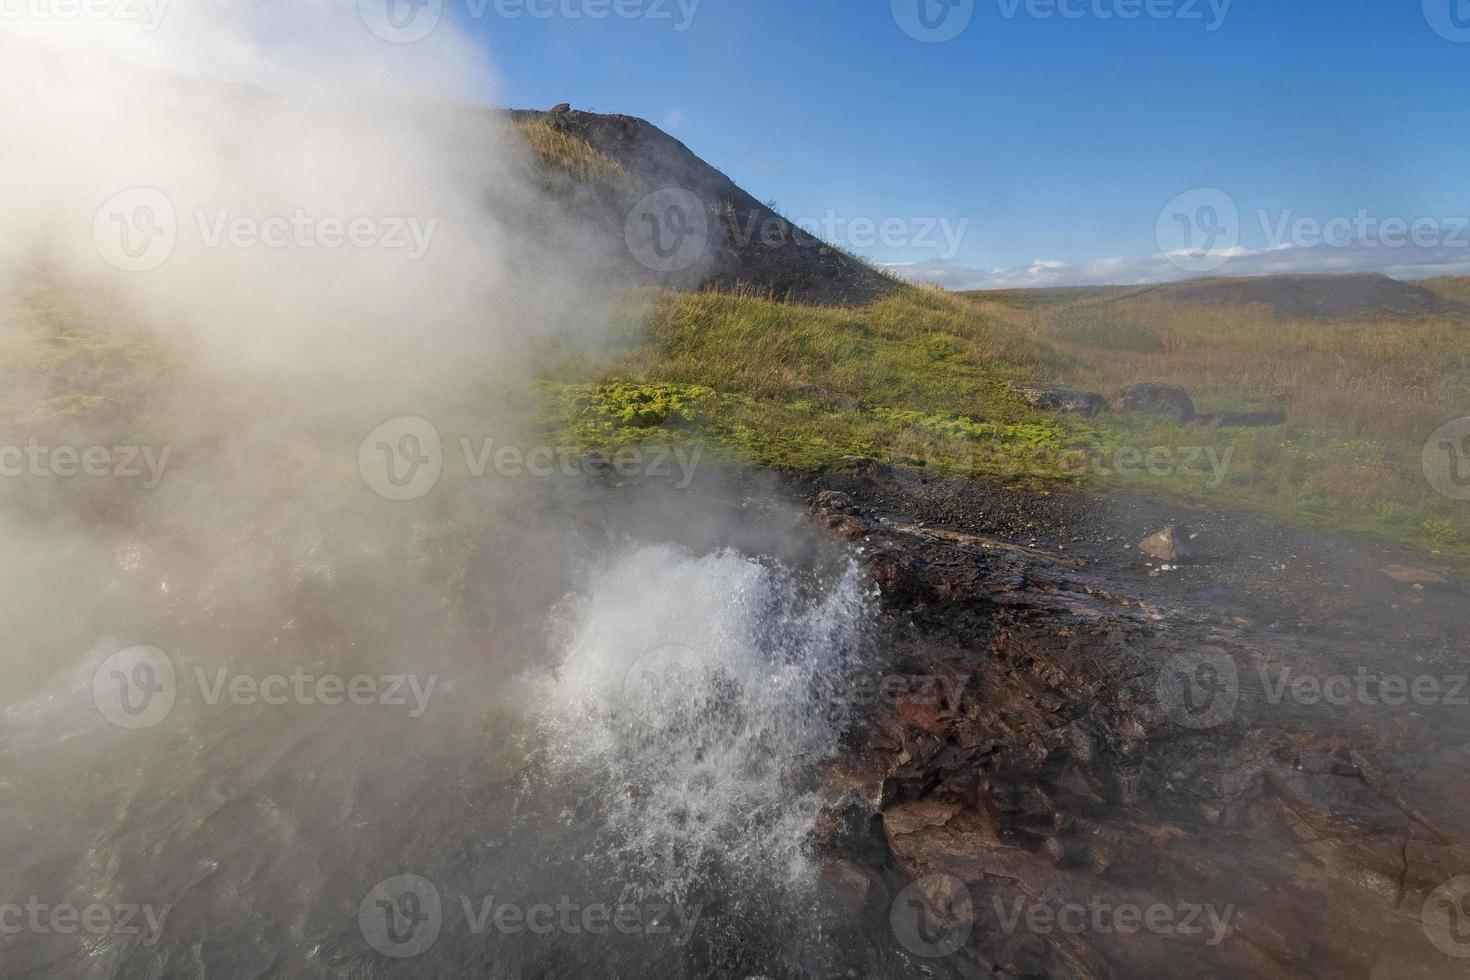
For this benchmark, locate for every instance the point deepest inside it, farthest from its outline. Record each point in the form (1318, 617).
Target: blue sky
(1046, 139)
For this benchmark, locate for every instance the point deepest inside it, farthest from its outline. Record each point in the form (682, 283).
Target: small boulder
(1170, 545)
(1248, 420)
(836, 500)
(1153, 398)
(836, 399)
(1414, 576)
(874, 472)
(1060, 398)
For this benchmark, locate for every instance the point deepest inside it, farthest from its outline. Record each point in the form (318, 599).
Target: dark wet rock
(876, 473)
(836, 501)
(1061, 398)
(1061, 767)
(1171, 544)
(1152, 398)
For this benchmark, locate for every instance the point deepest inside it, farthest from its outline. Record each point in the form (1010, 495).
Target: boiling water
(634, 798)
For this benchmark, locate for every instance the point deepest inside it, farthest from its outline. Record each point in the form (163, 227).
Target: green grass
(920, 379)
(769, 383)
(65, 361)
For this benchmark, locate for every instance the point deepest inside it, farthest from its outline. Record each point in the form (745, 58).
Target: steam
(200, 183)
(308, 197)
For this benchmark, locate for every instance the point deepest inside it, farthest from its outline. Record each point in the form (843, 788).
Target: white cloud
(1402, 263)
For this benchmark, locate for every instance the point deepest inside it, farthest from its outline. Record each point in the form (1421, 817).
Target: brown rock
(1414, 576)
(1170, 544)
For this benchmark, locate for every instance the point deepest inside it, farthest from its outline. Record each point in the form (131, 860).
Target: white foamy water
(696, 694)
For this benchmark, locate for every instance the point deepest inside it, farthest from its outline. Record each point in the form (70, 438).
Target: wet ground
(623, 730)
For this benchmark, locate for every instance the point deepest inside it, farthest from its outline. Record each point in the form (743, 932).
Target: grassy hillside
(922, 379)
(919, 377)
(1454, 288)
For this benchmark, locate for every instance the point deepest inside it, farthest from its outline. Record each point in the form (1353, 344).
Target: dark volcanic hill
(746, 244)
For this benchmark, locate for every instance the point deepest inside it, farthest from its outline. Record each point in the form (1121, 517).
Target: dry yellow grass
(567, 153)
(1378, 378)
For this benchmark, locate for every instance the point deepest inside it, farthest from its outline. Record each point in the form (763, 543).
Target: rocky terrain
(1084, 735)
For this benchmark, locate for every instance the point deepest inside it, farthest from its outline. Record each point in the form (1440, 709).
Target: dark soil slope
(748, 246)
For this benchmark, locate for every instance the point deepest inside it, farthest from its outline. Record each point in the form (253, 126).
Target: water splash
(696, 694)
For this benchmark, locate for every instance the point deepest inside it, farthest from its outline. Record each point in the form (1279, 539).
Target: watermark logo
(1287, 229)
(1210, 13)
(1102, 916)
(401, 21)
(1449, 18)
(135, 688)
(401, 916)
(1369, 688)
(1447, 460)
(1446, 917)
(933, 917)
(94, 919)
(661, 462)
(407, 21)
(1199, 231)
(303, 230)
(64, 462)
(933, 21)
(136, 230)
(401, 459)
(147, 13)
(1199, 690)
(664, 685)
(668, 231)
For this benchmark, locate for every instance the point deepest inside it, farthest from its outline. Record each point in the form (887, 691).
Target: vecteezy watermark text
(1203, 689)
(92, 919)
(403, 459)
(63, 462)
(403, 916)
(936, 21)
(1202, 230)
(1103, 916)
(138, 687)
(146, 13)
(407, 21)
(138, 230)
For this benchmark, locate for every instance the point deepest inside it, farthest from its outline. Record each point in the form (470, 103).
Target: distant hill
(1292, 297)
(749, 245)
(1455, 288)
